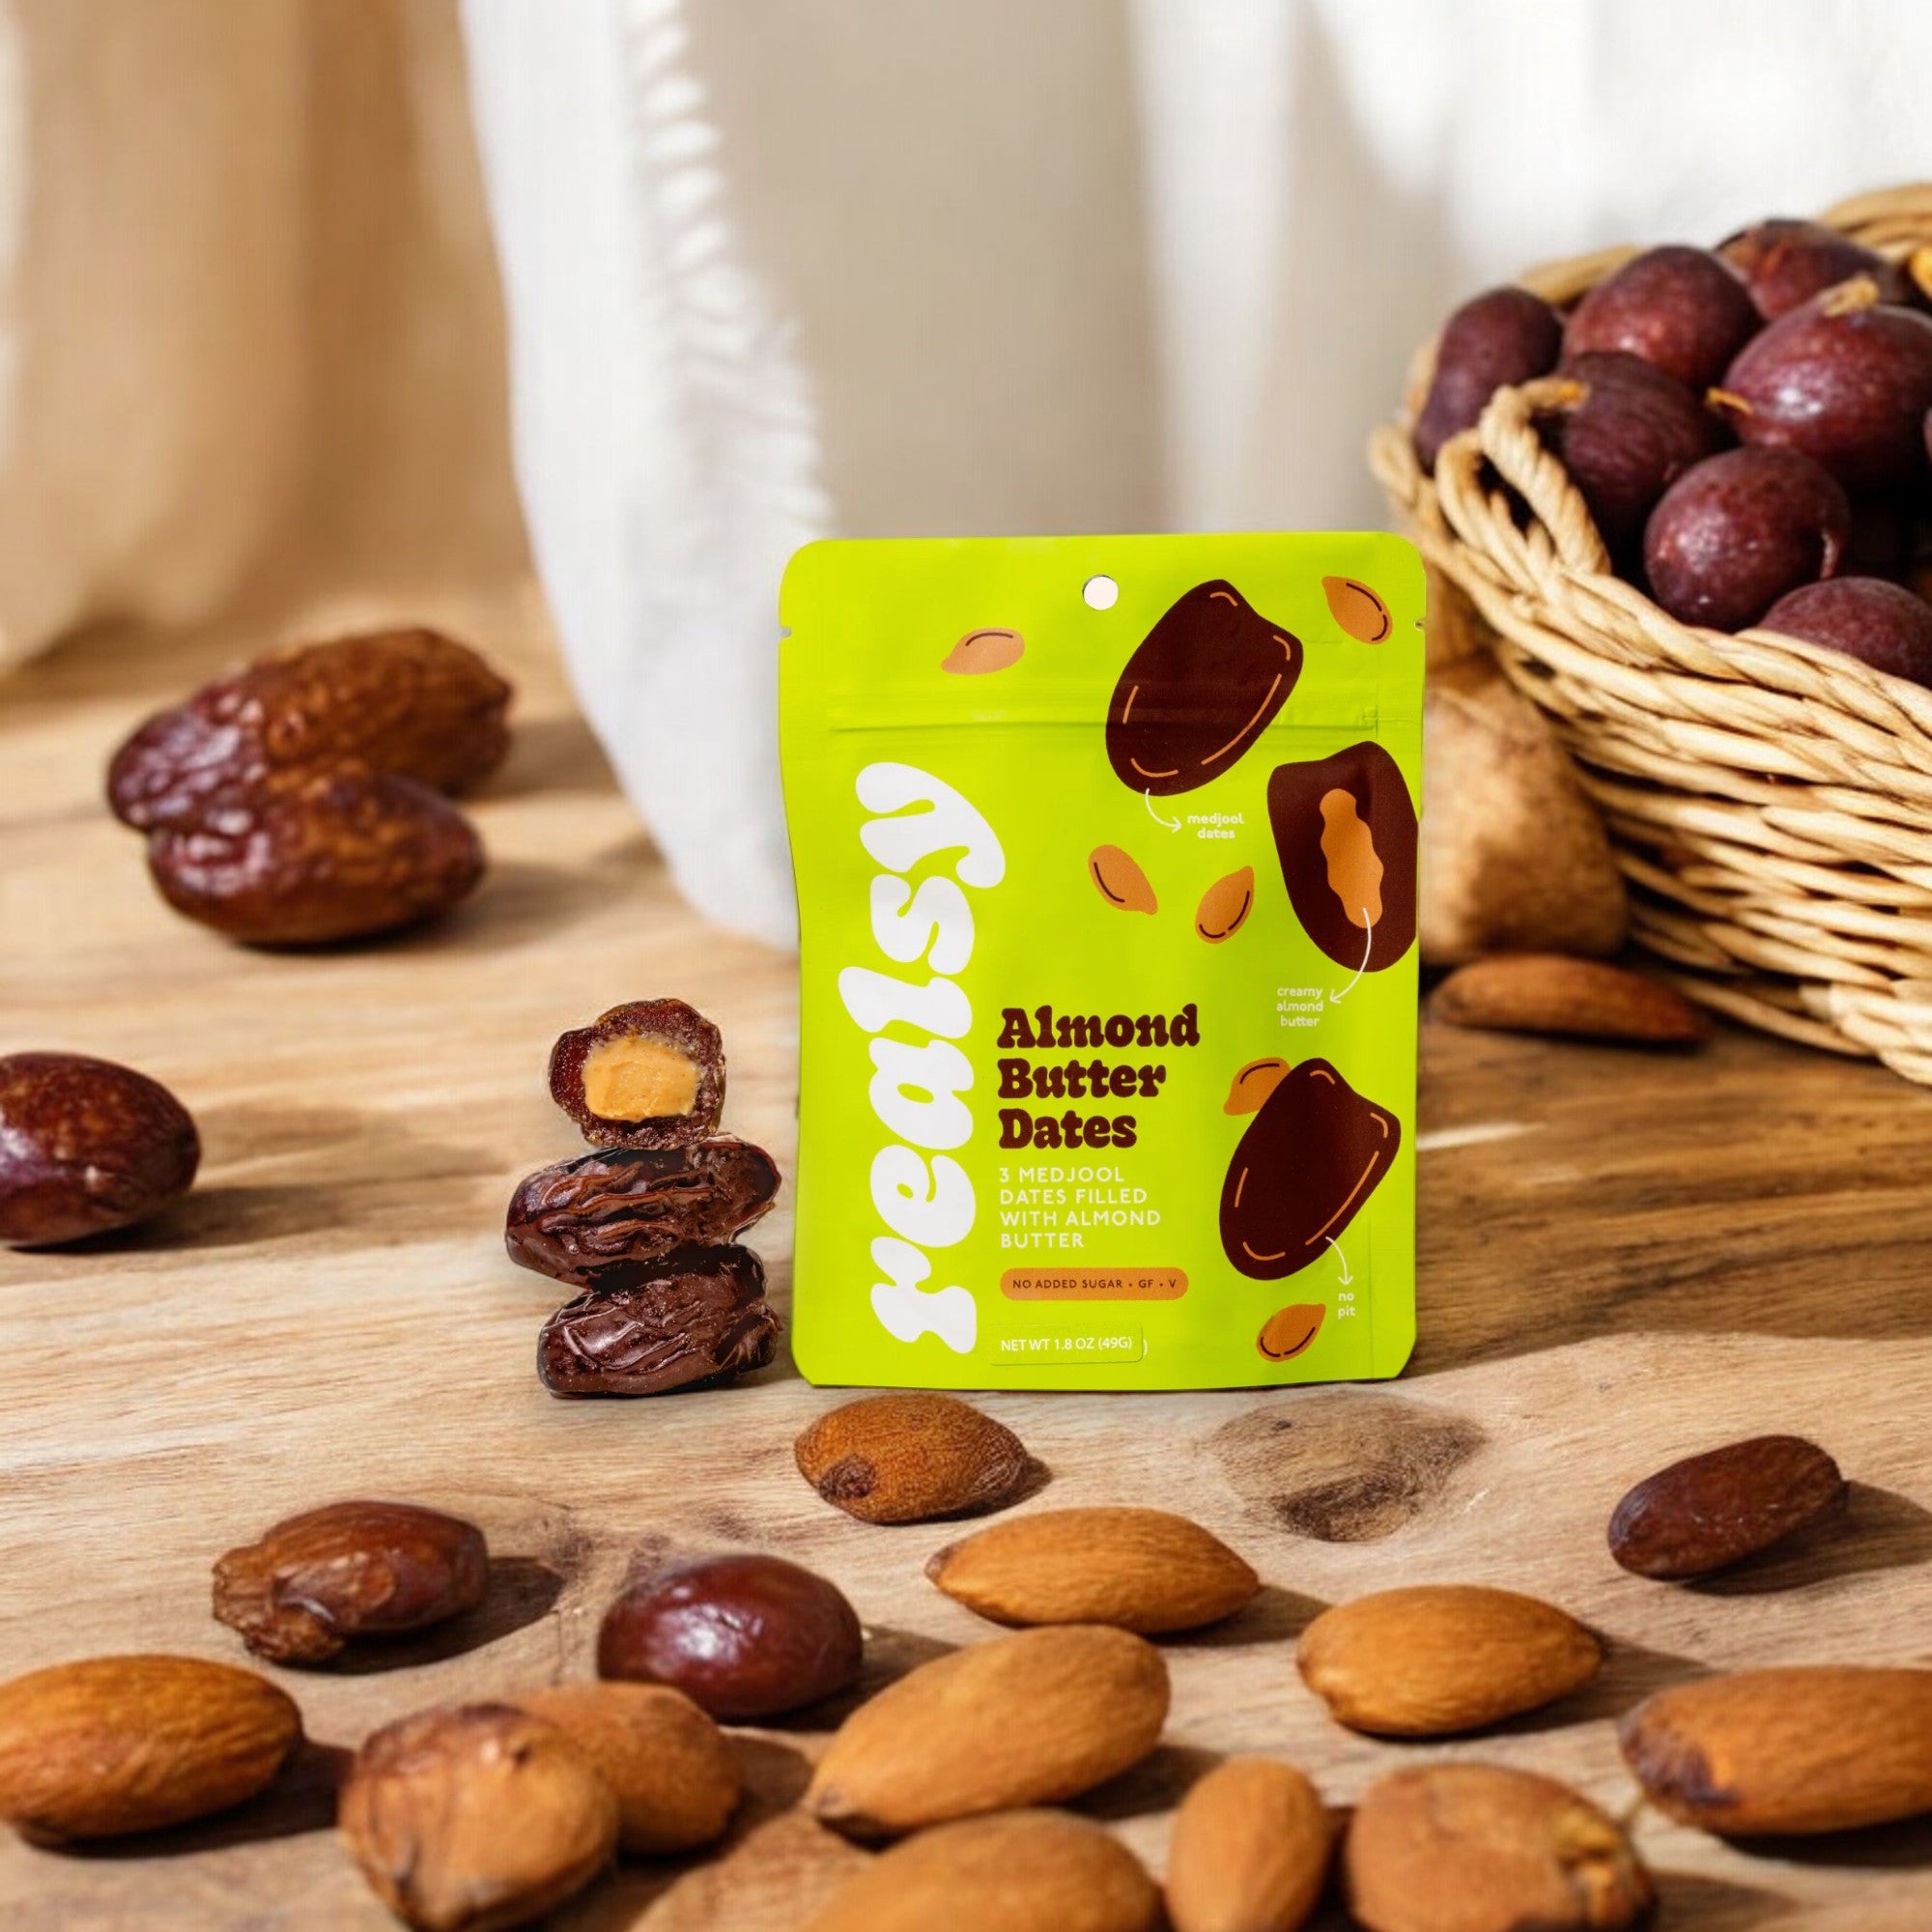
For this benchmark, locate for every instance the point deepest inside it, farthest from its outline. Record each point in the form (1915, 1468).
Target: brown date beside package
(698, 1316)
(604, 1216)
(646, 1075)
(87, 1147)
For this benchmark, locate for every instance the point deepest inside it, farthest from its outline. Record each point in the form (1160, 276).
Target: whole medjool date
(1732, 535)
(1502, 336)
(1878, 623)
(1681, 308)
(1625, 432)
(1846, 379)
(698, 1316)
(1785, 263)
(607, 1215)
(87, 1147)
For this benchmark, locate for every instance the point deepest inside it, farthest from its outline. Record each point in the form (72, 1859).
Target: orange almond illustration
(1357, 610)
(1119, 880)
(982, 651)
(1253, 1084)
(1225, 906)
(1289, 1330)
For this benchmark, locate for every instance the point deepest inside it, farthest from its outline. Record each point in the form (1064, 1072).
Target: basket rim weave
(1768, 801)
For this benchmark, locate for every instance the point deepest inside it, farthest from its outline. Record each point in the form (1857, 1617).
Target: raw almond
(913, 1458)
(980, 651)
(1544, 993)
(1120, 881)
(676, 1778)
(1025, 1719)
(1436, 1658)
(133, 1743)
(1250, 1850)
(1357, 609)
(1476, 1848)
(1017, 1871)
(1710, 1511)
(1796, 1750)
(1291, 1330)
(768, 1881)
(1225, 906)
(475, 1817)
(1138, 1569)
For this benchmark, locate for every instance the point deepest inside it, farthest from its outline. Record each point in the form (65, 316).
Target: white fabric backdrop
(898, 265)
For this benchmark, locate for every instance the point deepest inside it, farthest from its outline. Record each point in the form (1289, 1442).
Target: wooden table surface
(1623, 1258)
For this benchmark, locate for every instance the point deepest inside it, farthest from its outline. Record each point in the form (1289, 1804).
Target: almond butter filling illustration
(1354, 871)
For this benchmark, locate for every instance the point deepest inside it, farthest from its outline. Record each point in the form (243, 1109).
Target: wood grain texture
(1624, 1258)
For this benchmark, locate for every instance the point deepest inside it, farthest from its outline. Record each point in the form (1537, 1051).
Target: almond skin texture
(1025, 1719)
(475, 1817)
(911, 1459)
(316, 1581)
(1710, 1511)
(676, 1780)
(1250, 1850)
(1437, 1659)
(134, 1743)
(1826, 1749)
(1585, 999)
(1137, 1569)
(1017, 1871)
(1475, 1848)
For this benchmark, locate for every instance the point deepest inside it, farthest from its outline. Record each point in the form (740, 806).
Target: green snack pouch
(1106, 855)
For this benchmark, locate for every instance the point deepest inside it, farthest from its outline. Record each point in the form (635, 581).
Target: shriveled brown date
(1710, 1511)
(699, 1315)
(743, 1637)
(411, 702)
(648, 1074)
(310, 856)
(603, 1215)
(318, 1580)
(86, 1145)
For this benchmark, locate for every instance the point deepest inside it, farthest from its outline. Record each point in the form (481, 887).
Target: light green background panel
(1014, 1132)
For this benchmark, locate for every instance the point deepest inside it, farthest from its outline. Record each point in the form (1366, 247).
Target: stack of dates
(645, 1225)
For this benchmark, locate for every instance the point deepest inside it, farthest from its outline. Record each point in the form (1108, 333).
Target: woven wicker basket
(1771, 803)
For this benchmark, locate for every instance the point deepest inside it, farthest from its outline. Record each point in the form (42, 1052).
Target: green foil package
(1106, 863)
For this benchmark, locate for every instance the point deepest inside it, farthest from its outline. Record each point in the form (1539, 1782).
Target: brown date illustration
(1118, 880)
(608, 1215)
(317, 1581)
(1291, 1331)
(648, 1074)
(1304, 1169)
(1359, 611)
(978, 652)
(86, 1147)
(1202, 687)
(1344, 829)
(743, 1637)
(698, 1316)
(1225, 906)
